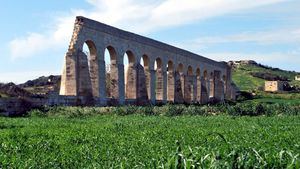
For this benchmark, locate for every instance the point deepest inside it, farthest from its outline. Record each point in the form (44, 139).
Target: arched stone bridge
(156, 72)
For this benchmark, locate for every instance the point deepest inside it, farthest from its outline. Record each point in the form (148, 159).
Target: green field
(139, 141)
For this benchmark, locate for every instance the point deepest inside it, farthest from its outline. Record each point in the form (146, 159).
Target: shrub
(37, 113)
(247, 109)
(124, 110)
(169, 110)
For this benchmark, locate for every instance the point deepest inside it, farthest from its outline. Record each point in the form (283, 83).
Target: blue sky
(34, 35)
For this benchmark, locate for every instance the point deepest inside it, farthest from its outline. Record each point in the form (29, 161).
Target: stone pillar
(211, 88)
(152, 86)
(188, 89)
(195, 89)
(121, 87)
(178, 93)
(228, 88)
(159, 85)
(131, 81)
(204, 91)
(102, 83)
(148, 80)
(219, 90)
(142, 94)
(164, 80)
(183, 83)
(198, 83)
(222, 91)
(68, 85)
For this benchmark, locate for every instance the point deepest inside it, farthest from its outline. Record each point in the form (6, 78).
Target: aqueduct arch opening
(112, 77)
(158, 66)
(130, 75)
(145, 63)
(89, 69)
(142, 78)
(170, 82)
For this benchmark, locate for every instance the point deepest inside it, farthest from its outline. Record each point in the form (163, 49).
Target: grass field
(285, 98)
(138, 141)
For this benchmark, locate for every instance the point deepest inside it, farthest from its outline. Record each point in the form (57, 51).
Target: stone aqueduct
(156, 72)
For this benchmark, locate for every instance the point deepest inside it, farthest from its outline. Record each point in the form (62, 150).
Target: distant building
(274, 86)
(297, 77)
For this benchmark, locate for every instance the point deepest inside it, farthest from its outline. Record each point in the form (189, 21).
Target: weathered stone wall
(144, 84)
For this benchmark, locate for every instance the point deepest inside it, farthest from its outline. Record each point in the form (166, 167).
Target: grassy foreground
(139, 141)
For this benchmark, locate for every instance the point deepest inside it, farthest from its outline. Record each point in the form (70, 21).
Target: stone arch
(159, 79)
(180, 68)
(111, 68)
(170, 81)
(190, 71)
(130, 75)
(89, 70)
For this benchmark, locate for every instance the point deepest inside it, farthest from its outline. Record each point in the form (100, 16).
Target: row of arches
(169, 80)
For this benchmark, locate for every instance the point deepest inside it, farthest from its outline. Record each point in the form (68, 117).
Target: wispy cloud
(134, 15)
(288, 61)
(261, 38)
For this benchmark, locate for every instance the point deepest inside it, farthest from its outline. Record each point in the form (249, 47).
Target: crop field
(150, 141)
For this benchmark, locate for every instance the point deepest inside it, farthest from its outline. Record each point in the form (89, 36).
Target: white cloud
(24, 47)
(263, 37)
(134, 15)
(178, 12)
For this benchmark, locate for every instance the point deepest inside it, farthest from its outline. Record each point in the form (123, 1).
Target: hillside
(38, 87)
(250, 76)
(42, 85)
(12, 90)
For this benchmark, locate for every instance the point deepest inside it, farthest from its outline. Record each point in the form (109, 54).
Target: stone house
(274, 86)
(297, 77)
